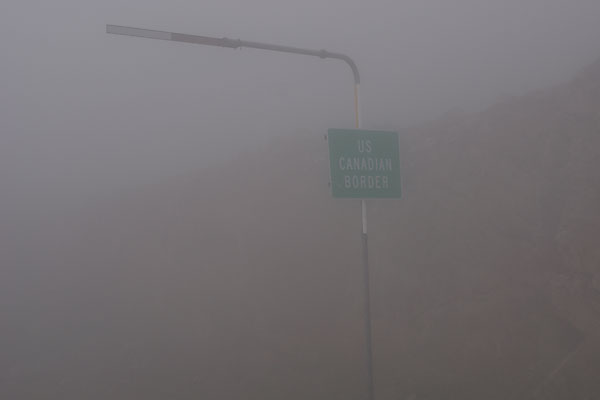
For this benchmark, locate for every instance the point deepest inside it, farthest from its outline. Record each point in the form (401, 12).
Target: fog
(82, 110)
(108, 140)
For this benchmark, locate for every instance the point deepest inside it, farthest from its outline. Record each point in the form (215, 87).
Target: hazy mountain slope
(245, 281)
(520, 204)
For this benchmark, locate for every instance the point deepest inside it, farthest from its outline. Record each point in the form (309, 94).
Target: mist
(83, 110)
(156, 193)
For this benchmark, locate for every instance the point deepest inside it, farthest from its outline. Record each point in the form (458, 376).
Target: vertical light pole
(236, 44)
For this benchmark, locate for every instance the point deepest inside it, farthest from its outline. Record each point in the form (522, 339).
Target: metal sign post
(235, 44)
(366, 272)
(364, 164)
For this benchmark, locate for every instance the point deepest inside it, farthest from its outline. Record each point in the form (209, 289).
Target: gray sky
(82, 110)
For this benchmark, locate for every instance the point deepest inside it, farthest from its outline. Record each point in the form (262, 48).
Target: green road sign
(364, 164)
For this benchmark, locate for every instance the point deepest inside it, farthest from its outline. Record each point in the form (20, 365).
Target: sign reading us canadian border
(364, 164)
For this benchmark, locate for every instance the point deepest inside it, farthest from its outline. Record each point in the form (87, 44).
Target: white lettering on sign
(364, 164)
(364, 145)
(366, 182)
